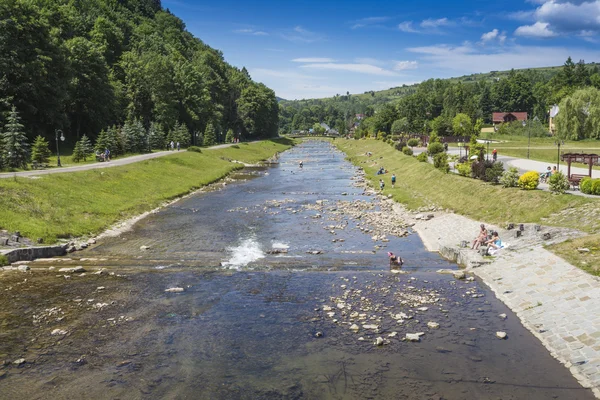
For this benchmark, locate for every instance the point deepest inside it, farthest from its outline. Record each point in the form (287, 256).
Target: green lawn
(85, 203)
(420, 184)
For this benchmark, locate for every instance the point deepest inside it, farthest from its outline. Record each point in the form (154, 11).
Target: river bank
(557, 302)
(79, 204)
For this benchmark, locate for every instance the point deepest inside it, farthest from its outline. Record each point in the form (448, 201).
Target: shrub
(407, 150)
(3, 260)
(478, 169)
(596, 186)
(423, 157)
(494, 172)
(435, 148)
(586, 185)
(510, 178)
(529, 180)
(464, 169)
(400, 146)
(83, 149)
(440, 161)
(413, 142)
(196, 149)
(558, 182)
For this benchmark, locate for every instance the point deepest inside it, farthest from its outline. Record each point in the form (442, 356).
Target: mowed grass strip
(84, 203)
(582, 252)
(420, 184)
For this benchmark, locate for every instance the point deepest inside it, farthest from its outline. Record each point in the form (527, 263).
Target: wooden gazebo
(589, 159)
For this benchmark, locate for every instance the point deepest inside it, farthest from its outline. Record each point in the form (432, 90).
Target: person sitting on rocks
(395, 261)
(494, 243)
(481, 238)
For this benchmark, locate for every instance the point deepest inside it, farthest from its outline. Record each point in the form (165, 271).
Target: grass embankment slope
(420, 184)
(84, 203)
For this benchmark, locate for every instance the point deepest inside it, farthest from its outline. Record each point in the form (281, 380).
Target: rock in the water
(144, 247)
(445, 271)
(174, 290)
(379, 341)
(23, 268)
(72, 270)
(354, 328)
(371, 326)
(502, 316)
(459, 274)
(19, 361)
(393, 334)
(92, 241)
(413, 337)
(433, 325)
(319, 334)
(501, 335)
(583, 250)
(58, 332)
(327, 308)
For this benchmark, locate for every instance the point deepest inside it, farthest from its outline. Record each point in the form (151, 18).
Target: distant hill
(279, 99)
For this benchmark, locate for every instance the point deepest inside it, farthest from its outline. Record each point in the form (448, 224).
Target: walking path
(113, 163)
(556, 301)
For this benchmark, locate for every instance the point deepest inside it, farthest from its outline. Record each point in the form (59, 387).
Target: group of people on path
(103, 155)
(171, 146)
(544, 176)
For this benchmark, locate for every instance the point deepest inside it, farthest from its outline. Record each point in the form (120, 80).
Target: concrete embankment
(31, 253)
(554, 300)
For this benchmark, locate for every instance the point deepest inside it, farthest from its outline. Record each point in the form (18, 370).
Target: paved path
(112, 163)
(557, 302)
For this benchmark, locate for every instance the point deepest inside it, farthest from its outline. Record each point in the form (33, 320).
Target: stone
(379, 341)
(71, 249)
(413, 337)
(92, 241)
(174, 290)
(371, 326)
(72, 270)
(59, 332)
(354, 328)
(501, 335)
(23, 268)
(19, 361)
(459, 274)
(144, 247)
(502, 316)
(319, 334)
(433, 325)
(419, 216)
(423, 308)
(547, 236)
(83, 246)
(327, 308)
(393, 334)
(583, 250)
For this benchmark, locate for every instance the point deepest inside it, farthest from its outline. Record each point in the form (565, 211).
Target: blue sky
(313, 49)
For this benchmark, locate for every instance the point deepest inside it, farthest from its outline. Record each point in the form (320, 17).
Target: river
(284, 294)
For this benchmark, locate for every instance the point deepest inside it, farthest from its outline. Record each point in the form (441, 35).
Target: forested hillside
(83, 66)
(433, 104)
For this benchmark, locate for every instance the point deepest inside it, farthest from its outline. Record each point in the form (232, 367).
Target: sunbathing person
(495, 242)
(481, 238)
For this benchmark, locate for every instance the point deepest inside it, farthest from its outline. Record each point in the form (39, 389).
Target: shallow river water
(254, 325)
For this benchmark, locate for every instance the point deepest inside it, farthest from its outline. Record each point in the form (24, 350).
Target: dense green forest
(88, 66)
(434, 104)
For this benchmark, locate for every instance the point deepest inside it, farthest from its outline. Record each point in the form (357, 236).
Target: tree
(229, 137)
(400, 126)
(579, 116)
(135, 137)
(210, 137)
(83, 149)
(40, 153)
(462, 125)
(318, 129)
(156, 136)
(180, 134)
(14, 145)
(477, 127)
(108, 140)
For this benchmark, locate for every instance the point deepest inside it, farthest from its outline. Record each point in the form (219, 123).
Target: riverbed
(283, 290)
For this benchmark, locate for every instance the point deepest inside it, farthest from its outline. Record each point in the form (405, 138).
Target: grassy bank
(588, 261)
(84, 203)
(420, 184)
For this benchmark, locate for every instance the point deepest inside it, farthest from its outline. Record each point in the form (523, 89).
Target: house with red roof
(502, 117)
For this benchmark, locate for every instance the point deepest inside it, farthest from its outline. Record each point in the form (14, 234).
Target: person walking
(393, 180)
(172, 144)
(494, 155)
(178, 146)
(381, 184)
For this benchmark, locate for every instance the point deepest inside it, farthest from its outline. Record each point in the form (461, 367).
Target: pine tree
(210, 137)
(83, 149)
(156, 136)
(40, 153)
(229, 136)
(13, 141)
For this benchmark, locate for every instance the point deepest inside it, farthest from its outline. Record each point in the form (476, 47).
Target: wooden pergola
(589, 159)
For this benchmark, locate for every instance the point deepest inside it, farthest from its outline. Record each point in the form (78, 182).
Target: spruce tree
(156, 136)
(83, 149)
(210, 137)
(13, 142)
(40, 153)
(229, 136)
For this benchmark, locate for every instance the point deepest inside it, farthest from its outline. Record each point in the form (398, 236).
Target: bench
(575, 179)
(36, 165)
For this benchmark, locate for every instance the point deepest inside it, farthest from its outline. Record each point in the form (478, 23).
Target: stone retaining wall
(31, 253)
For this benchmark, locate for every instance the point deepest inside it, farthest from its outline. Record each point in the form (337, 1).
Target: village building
(503, 117)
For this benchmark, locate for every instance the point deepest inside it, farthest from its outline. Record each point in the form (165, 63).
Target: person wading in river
(395, 261)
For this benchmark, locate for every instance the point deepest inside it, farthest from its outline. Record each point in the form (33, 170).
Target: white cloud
(486, 37)
(369, 21)
(539, 30)
(406, 26)
(313, 60)
(467, 59)
(404, 65)
(262, 73)
(434, 23)
(301, 35)
(493, 36)
(359, 68)
(251, 32)
(369, 60)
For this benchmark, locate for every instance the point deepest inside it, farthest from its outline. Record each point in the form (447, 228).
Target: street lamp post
(487, 154)
(528, 137)
(62, 139)
(558, 143)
